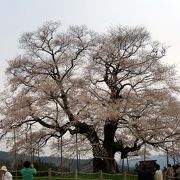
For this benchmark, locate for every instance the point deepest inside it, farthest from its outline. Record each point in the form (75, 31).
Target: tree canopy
(112, 89)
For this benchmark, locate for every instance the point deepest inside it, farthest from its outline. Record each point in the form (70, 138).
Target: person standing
(0, 175)
(169, 172)
(158, 173)
(6, 175)
(28, 171)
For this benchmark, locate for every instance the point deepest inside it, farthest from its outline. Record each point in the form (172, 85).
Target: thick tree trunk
(111, 165)
(98, 164)
(107, 162)
(103, 160)
(106, 165)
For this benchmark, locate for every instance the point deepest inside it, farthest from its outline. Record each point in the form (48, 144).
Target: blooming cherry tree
(111, 89)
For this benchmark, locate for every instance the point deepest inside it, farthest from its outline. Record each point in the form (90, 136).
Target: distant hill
(86, 164)
(160, 159)
(4, 155)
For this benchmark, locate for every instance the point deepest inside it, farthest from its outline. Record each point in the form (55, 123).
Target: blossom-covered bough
(111, 89)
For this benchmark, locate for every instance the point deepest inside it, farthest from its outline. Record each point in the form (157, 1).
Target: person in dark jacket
(145, 174)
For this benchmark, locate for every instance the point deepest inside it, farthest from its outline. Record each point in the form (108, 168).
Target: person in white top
(6, 175)
(158, 173)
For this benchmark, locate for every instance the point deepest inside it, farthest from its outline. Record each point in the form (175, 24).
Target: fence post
(76, 174)
(125, 175)
(49, 174)
(100, 175)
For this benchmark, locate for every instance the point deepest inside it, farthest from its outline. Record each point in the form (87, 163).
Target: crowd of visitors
(168, 173)
(27, 172)
(171, 172)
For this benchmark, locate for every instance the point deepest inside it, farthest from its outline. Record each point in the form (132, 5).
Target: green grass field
(86, 177)
(55, 175)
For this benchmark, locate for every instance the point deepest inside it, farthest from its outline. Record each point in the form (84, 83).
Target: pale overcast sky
(160, 17)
